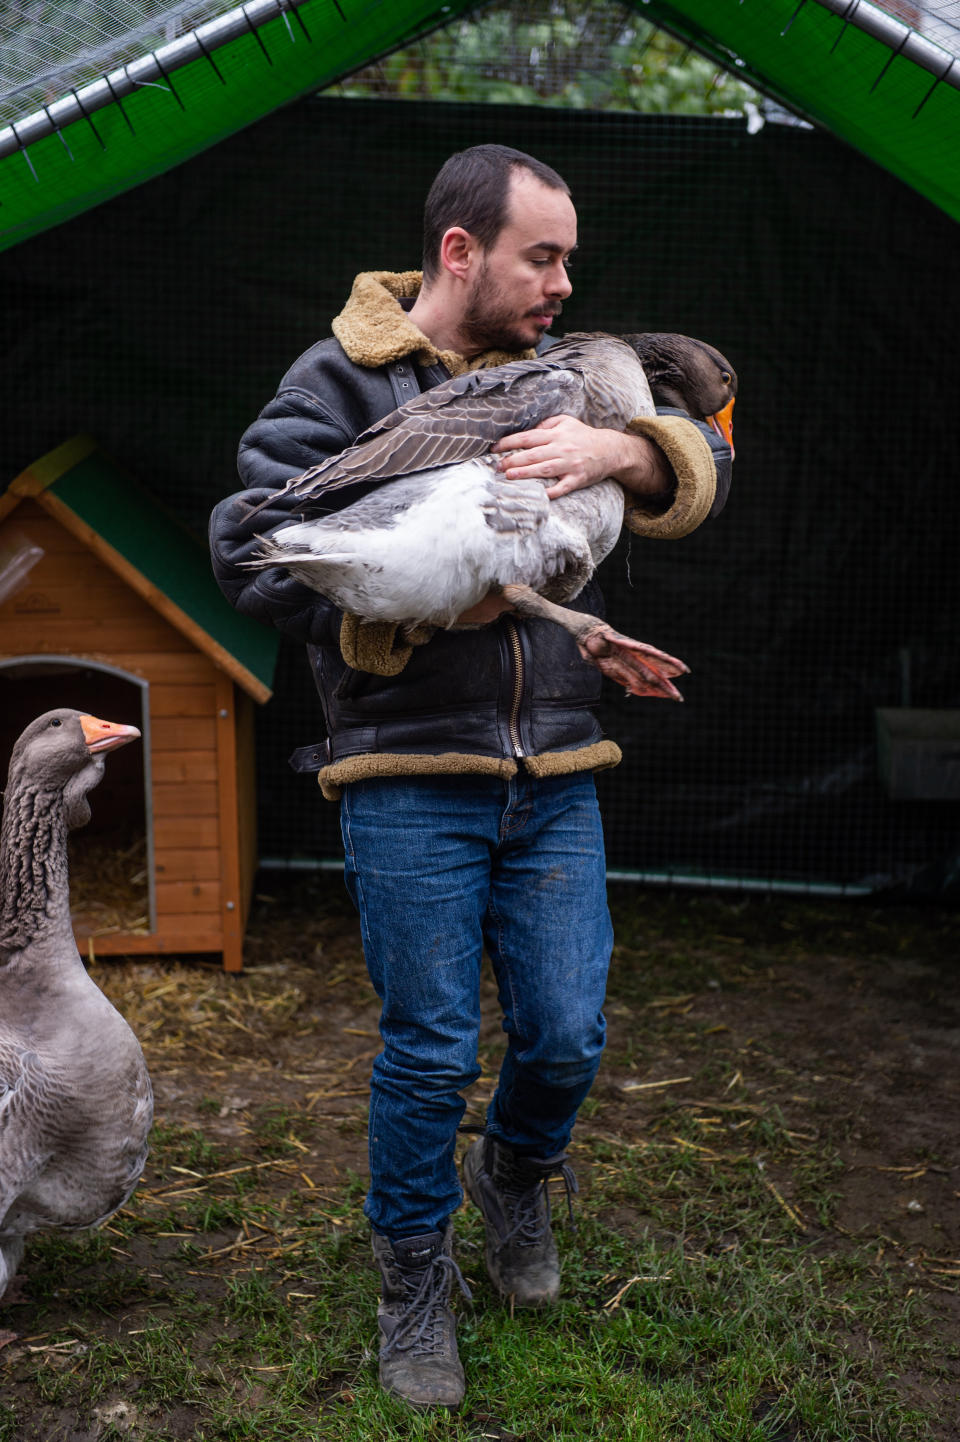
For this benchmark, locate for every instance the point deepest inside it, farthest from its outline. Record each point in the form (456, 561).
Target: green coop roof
(152, 551)
(856, 69)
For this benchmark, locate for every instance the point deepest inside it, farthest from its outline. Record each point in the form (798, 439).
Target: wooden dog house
(107, 603)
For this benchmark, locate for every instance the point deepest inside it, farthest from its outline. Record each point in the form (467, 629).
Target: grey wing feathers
(452, 422)
(24, 1096)
(515, 507)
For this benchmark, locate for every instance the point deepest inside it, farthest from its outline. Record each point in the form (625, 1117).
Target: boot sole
(420, 1406)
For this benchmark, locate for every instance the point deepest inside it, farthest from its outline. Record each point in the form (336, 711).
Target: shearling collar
(374, 330)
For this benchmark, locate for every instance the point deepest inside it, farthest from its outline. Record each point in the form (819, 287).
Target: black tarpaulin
(162, 322)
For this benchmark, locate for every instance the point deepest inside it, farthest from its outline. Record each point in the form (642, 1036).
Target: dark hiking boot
(418, 1331)
(511, 1192)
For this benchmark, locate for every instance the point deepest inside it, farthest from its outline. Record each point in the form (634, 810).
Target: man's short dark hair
(471, 191)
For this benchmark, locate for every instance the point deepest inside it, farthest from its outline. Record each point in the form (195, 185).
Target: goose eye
(726, 377)
(56, 721)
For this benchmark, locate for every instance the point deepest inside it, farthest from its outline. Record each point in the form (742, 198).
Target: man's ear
(458, 251)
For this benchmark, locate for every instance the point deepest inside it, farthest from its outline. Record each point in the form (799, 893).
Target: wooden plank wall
(74, 605)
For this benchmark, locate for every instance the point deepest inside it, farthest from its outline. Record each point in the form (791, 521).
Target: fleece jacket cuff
(692, 460)
(381, 647)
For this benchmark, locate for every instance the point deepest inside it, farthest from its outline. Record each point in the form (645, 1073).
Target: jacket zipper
(514, 719)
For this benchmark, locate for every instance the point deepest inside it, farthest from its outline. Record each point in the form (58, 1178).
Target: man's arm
(660, 461)
(293, 432)
(580, 455)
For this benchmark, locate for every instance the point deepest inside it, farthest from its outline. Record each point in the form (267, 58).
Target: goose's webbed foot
(641, 669)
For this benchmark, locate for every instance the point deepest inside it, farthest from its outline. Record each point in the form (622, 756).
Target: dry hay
(109, 888)
(298, 965)
(179, 1010)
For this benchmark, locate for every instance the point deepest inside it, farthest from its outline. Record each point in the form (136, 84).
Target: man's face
(522, 280)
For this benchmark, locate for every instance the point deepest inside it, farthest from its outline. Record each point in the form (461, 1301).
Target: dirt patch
(843, 1022)
(858, 1041)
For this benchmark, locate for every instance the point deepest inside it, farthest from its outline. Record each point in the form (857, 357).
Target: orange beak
(722, 423)
(106, 735)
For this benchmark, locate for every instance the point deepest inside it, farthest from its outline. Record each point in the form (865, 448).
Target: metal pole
(153, 69)
(898, 36)
(686, 880)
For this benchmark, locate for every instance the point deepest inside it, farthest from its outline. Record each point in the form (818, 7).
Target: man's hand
(578, 455)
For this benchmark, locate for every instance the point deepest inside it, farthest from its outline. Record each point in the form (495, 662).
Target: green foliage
(572, 54)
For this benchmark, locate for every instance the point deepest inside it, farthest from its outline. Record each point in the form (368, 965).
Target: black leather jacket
(516, 688)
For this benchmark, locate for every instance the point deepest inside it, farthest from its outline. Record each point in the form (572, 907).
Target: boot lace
(420, 1326)
(528, 1198)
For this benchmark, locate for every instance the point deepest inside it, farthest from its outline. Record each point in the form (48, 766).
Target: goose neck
(34, 890)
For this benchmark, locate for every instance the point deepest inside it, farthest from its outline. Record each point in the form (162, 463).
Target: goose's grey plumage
(75, 1098)
(450, 528)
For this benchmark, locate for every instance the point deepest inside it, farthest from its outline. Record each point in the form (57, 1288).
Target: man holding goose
(463, 755)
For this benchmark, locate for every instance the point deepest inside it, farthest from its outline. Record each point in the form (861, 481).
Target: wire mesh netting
(604, 54)
(48, 48)
(895, 97)
(938, 20)
(581, 54)
(826, 592)
(818, 602)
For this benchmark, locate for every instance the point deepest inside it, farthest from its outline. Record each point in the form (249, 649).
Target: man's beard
(491, 322)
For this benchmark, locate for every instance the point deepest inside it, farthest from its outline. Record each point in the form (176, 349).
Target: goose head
(691, 375)
(62, 751)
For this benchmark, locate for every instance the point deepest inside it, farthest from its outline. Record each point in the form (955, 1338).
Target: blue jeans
(438, 866)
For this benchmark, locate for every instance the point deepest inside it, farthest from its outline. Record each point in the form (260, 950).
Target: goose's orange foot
(641, 669)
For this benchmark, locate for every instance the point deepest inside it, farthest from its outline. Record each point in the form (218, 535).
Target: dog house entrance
(111, 858)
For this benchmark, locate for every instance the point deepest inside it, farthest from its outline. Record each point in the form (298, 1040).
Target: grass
(719, 1349)
(709, 1294)
(713, 1317)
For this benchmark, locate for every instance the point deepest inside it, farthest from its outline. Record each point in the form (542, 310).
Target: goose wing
(69, 1154)
(455, 421)
(25, 1099)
